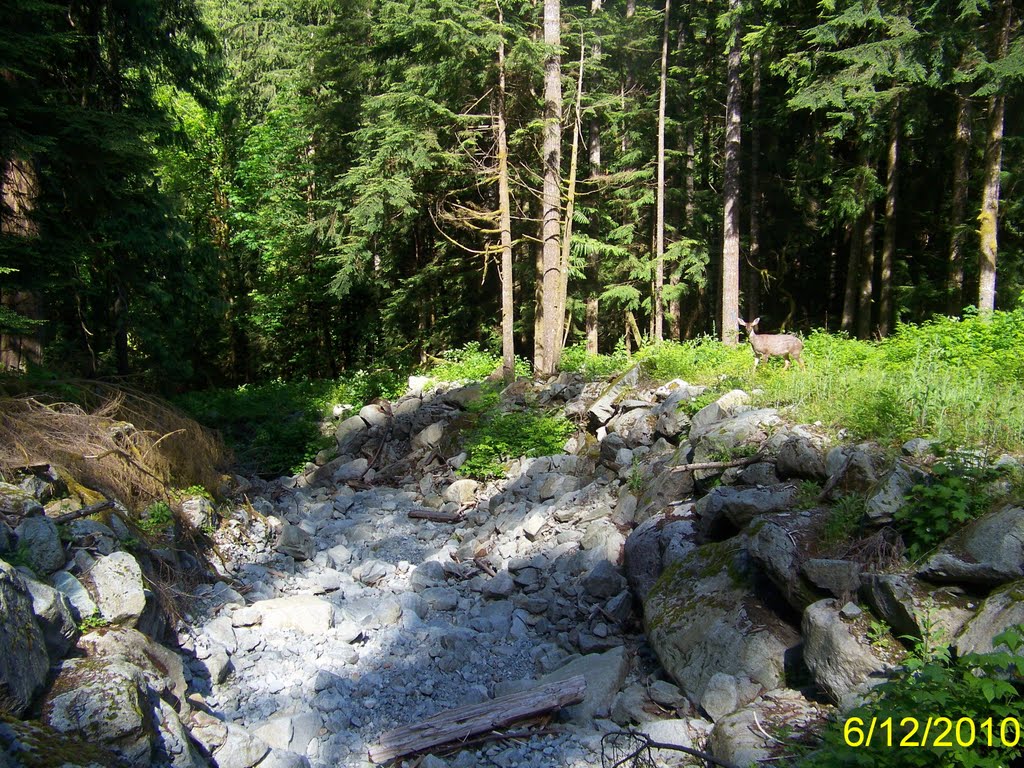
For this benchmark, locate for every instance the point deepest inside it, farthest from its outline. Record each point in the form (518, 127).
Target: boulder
(54, 616)
(838, 654)
(240, 748)
(350, 434)
(104, 702)
(162, 668)
(429, 437)
(295, 542)
(702, 618)
(93, 535)
(350, 470)
(198, 512)
(776, 545)
(461, 491)
(603, 580)
(891, 494)
(18, 501)
(1001, 610)
(302, 613)
(717, 438)
(374, 414)
(173, 746)
(82, 604)
(840, 577)
(604, 673)
(911, 610)
(116, 581)
(800, 457)
(39, 538)
(745, 736)
(851, 469)
(726, 510)
(636, 427)
(24, 661)
(602, 410)
(31, 743)
(666, 486)
(989, 551)
(713, 413)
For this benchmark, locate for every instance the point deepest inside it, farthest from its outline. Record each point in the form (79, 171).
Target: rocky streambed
(673, 556)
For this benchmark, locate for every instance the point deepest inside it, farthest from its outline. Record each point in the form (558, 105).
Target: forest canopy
(199, 192)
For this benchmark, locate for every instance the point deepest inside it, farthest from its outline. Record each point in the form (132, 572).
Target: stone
(533, 525)
(161, 667)
(800, 457)
(891, 495)
(24, 662)
(440, 598)
(374, 414)
(55, 618)
(289, 732)
(749, 427)
(776, 546)
(604, 673)
(631, 706)
(349, 434)
(602, 410)
(240, 749)
(39, 538)
(499, 586)
(988, 551)
(1002, 609)
(350, 470)
(759, 473)
(674, 731)
(724, 407)
(720, 696)
(174, 747)
(18, 501)
(93, 535)
(461, 491)
(307, 614)
(851, 469)
(918, 447)
(102, 701)
(636, 427)
(644, 550)
(840, 577)
(603, 580)
(428, 438)
(339, 556)
(844, 665)
(295, 542)
(701, 616)
(462, 397)
(280, 758)
(45, 746)
(82, 604)
(198, 512)
(117, 587)
(912, 610)
(727, 510)
(428, 574)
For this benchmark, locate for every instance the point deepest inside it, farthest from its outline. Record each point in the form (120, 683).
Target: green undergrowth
(469, 362)
(274, 428)
(960, 382)
(499, 437)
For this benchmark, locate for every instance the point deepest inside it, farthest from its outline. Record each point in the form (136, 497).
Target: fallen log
(717, 464)
(67, 517)
(463, 722)
(435, 516)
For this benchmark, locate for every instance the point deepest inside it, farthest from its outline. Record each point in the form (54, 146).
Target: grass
(960, 382)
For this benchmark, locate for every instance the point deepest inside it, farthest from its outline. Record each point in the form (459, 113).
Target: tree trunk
(552, 282)
(508, 355)
(958, 230)
(658, 308)
(989, 217)
(570, 198)
(593, 261)
(731, 185)
(753, 282)
(852, 275)
(885, 308)
(867, 270)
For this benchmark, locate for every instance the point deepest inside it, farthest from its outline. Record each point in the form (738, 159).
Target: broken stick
(435, 515)
(461, 723)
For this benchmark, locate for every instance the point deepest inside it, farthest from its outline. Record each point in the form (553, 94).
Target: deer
(766, 345)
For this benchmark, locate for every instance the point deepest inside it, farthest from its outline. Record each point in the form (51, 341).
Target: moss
(37, 745)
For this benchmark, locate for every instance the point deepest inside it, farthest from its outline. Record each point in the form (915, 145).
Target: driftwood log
(435, 516)
(455, 725)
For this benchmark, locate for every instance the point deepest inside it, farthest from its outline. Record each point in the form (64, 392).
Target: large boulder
(1001, 610)
(668, 485)
(837, 652)
(777, 546)
(295, 542)
(745, 737)
(635, 426)
(33, 743)
(913, 610)
(18, 501)
(800, 457)
(891, 495)
(55, 617)
(300, 613)
(727, 510)
(989, 551)
(162, 668)
(702, 618)
(602, 410)
(24, 661)
(724, 407)
(117, 587)
(652, 545)
(39, 538)
(104, 702)
(82, 604)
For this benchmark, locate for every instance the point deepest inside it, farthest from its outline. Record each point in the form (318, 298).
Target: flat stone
(302, 613)
(295, 542)
(604, 673)
(989, 551)
(82, 604)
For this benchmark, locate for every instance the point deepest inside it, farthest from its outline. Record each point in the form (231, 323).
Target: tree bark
(508, 355)
(593, 262)
(570, 198)
(731, 184)
(958, 210)
(753, 282)
(867, 270)
(659, 215)
(989, 217)
(852, 276)
(885, 308)
(547, 356)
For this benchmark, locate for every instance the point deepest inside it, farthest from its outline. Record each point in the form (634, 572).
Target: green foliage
(842, 522)
(177, 494)
(955, 494)
(807, 494)
(576, 359)
(501, 437)
(20, 557)
(156, 519)
(470, 363)
(983, 688)
(96, 621)
(274, 428)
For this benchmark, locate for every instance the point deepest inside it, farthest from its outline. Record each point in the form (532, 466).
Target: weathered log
(718, 464)
(463, 722)
(67, 517)
(435, 516)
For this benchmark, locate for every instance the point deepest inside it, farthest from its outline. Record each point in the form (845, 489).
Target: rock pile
(673, 556)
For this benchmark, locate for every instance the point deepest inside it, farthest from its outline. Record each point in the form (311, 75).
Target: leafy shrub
(576, 359)
(842, 521)
(982, 688)
(501, 437)
(157, 518)
(470, 363)
(954, 495)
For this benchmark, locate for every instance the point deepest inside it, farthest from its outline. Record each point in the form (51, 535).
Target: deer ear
(755, 321)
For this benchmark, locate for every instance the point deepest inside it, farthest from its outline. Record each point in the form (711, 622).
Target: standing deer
(766, 345)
